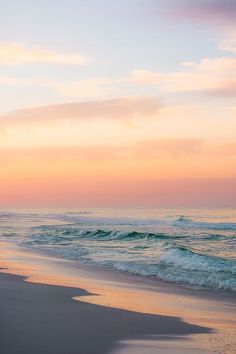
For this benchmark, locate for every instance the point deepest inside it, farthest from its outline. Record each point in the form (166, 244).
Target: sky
(118, 103)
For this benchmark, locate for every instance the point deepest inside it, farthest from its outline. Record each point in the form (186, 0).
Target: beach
(117, 177)
(38, 318)
(49, 305)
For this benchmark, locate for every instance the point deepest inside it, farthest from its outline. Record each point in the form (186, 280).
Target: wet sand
(38, 318)
(87, 310)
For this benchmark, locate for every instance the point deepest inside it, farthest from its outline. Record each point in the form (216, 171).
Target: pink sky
(135, 109)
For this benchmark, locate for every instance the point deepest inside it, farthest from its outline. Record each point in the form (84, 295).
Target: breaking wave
(194, 248)
(175, 257)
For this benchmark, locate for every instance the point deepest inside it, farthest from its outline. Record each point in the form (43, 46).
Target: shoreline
(111, 273)
(44, 318)
(122, 292)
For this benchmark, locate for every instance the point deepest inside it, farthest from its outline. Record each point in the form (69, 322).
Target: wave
(183, 221)
(187, 259)
(162, 255)
(192, 249)
(182, 266)
(90, 217)
(55, 235)
(62, 234)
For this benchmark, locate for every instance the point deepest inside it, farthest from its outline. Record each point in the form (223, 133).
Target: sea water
(192, 247)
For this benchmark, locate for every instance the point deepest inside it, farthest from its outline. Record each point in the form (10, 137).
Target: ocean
(192, 247)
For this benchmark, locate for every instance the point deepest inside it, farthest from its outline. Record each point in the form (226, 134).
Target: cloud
(215, 76)
(95, 87)
(123, 108)
(215, 12)
(227, 90)
(115, 123)
(118, 108)
(228, 43)
(18, 53)
(144, 77)
(78, 123)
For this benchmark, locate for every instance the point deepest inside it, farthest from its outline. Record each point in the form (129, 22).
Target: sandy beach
(117, 177)
(55, 306)
(37, 318)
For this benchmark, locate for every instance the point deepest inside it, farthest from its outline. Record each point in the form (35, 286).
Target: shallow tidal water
(195, 248)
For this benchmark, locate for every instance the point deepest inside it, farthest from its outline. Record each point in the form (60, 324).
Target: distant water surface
(192, 247)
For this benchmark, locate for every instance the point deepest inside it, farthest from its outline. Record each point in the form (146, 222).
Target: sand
(62, 307)
(37, 318)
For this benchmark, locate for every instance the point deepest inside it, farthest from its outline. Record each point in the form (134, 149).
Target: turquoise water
(192, 247)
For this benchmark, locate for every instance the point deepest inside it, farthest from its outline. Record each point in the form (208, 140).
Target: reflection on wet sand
(118, 290)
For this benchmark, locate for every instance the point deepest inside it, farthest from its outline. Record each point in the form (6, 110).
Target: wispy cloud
(214, 76)
(18, 53)
(76, 123)
(123, 108)
(228, 43)
(217, 75)
(144, 77)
